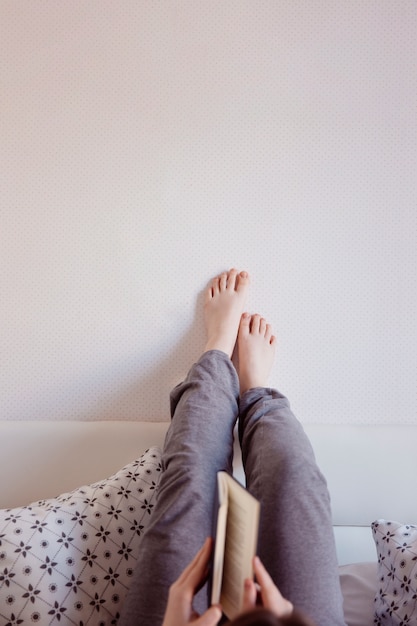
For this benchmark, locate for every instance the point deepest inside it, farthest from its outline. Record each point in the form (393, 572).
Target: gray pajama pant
(296, 541)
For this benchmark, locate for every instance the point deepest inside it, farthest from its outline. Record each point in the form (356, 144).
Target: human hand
(179, 611)
(266, 591)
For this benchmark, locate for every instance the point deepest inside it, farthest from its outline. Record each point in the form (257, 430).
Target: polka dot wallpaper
(146, 146)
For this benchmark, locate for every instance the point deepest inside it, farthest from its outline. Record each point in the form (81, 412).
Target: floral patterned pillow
(396, 598)
(69, 559)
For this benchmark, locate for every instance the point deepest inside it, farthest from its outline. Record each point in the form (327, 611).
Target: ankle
(217, 343)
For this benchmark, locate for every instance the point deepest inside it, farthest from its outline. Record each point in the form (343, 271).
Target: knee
(295, 464)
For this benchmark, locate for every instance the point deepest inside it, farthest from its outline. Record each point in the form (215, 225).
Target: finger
(262, 576)
(271, 596)
(249, 595)
(185, 573)
(210, 618)
(195, 571)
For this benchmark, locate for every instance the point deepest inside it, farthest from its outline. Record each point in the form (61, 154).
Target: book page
(219, 549)
(240, 545)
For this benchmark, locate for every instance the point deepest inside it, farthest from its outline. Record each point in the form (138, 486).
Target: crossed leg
(296, 542)
(199, 443)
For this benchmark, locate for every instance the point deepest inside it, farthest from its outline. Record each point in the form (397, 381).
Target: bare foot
(223, 308)
(256, 347)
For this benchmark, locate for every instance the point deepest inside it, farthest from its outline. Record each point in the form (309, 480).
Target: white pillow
(359, 583)
(69, 559)
(396, 598)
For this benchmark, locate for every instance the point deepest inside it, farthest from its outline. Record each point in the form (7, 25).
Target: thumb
(249, 595)
(210, 618)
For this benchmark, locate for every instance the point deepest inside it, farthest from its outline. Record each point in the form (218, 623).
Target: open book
(236, 538)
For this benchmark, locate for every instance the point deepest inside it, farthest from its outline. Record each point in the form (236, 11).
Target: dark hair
(264, 617)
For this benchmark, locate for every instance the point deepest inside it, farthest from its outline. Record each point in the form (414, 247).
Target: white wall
(147, 145)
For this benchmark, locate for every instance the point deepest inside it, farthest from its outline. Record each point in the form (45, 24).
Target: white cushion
(70, 558)
(396, 599)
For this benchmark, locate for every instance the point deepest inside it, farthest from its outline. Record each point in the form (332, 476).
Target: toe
(244, 327)
(242, 281)
(215, 285)
(223, 281)
(262, 326)
(255, 323)
(231, 279)
(268, 332)
(209, 293)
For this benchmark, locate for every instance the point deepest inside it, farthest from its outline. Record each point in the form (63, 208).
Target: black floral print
(395, 602)
(53, 565)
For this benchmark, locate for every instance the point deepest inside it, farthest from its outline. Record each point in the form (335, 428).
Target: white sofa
(370, 472)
